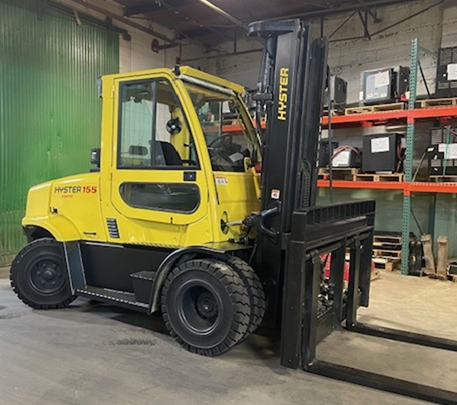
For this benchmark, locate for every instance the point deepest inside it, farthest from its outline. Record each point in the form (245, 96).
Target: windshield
(229, 134)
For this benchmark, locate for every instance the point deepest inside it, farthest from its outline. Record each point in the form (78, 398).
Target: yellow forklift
(194, 211)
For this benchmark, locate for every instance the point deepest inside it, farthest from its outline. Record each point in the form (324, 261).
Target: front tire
(205, 306)
(39, 276)
(255, 291)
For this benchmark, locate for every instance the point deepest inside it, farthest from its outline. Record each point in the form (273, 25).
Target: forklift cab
(175, 167)
(173, 164)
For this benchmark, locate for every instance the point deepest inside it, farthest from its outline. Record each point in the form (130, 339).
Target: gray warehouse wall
(435, 27)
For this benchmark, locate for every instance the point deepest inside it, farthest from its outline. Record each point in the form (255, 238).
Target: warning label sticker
(275, 194)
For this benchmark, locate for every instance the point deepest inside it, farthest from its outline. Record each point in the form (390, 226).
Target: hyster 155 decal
(76, 190)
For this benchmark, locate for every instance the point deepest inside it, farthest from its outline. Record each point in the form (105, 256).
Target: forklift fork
(305, 324)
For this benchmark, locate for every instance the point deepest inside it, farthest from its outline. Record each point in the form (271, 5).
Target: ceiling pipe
(126, 21)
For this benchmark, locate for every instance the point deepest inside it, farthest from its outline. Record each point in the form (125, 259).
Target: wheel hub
(46, 276)
(206, 305)
(49, 274)
(198, 308)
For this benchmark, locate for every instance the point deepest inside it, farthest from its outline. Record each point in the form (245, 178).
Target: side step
(120, 298)
(142, 285)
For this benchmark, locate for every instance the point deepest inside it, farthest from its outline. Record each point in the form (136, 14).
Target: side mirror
(95, 156)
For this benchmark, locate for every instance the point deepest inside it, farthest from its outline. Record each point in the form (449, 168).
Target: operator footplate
(121, 298)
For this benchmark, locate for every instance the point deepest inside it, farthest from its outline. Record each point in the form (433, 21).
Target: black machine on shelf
(382, 153)
(384, 85)
(442, 152)
(446, 73)
(346, 157)
(338, 93)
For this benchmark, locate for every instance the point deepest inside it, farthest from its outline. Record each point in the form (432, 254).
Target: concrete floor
(97, 354)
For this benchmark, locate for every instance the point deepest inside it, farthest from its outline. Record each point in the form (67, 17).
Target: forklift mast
(290, 92)
(296, 236)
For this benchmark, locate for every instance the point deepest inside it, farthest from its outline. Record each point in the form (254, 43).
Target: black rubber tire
(229, 293)
(255, 291)
(25, 275)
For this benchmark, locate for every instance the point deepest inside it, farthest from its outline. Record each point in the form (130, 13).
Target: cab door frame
(161, 175)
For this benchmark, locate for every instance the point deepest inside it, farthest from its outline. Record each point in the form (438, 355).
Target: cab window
(228, 131)
(172, 197)
(153, 131)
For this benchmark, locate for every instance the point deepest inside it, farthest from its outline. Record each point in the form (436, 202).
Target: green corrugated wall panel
(446, 221)
(389, 207)
(389, 211)
(50, 113)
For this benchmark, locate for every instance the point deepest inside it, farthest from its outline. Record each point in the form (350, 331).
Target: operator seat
(166, 154)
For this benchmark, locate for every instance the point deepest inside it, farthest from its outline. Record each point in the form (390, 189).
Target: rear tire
(39, 276)
(205, 306)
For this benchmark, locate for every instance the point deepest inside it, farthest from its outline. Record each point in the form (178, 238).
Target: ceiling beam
(315, 4)
(364, 23)
(424, 10)
(369, 11)
(186, 16)
(140, 9)
(341, 9)
(342, 25)
(224, 14)
(151, 7)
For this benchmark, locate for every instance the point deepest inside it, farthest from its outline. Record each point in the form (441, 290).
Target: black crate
(443, 143)
(447, 63)
(338, 94)
(381, 153)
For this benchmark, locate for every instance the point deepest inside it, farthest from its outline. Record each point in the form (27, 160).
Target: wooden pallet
(387, 239)
(394, 177)
(374, 108)
(438, 102)
(444, 179)
(388, 246)
(338, 174)
(386, 264)
(335, 113)
(386, 254)
(390, 238)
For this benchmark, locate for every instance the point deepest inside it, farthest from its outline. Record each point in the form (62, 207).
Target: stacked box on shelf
(387, 250)
(442, 153)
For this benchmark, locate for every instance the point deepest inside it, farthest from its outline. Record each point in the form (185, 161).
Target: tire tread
(255, 290)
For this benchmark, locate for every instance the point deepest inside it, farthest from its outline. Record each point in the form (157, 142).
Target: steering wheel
(221, 142)
(224, 153)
